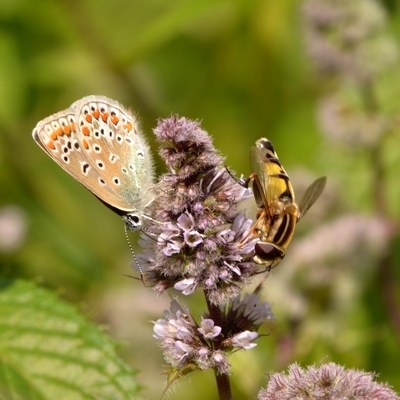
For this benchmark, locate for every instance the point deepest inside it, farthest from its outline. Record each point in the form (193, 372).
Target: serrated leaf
(49, 351)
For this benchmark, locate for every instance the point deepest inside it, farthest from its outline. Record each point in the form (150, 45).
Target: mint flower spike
(327, 381)
(202, 240)
(187, 346)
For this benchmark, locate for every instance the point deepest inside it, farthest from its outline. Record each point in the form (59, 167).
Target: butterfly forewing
(97, 142)
(57, 135)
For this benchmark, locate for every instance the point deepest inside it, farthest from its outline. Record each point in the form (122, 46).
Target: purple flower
(182, 351)
(185, 344)
(202, 241)
(186, 286)
(327, 381)
(244, 340)
(208, 329)
(185, 222)
(193, 238)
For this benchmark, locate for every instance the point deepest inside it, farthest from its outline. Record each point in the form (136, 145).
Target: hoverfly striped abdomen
(278, 213)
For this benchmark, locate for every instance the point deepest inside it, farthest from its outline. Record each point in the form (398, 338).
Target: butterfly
(98, 142)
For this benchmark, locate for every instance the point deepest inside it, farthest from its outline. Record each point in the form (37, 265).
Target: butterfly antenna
(134, 256)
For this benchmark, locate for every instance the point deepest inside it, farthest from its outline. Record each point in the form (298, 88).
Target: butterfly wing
(98, 143)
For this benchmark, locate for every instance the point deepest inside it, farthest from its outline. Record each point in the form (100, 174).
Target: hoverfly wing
(311, 195)
(273, 177)
(260, 178)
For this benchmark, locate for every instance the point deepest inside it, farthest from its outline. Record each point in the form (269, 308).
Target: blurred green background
(242, 68)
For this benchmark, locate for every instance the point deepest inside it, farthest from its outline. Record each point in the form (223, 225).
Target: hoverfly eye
(268, 251)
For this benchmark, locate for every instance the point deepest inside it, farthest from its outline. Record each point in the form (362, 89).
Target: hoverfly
(278, 212)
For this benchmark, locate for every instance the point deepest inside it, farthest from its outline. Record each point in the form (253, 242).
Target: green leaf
(49, 351)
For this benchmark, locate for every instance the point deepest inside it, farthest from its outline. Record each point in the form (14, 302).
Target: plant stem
(223, 383)
(224, 386)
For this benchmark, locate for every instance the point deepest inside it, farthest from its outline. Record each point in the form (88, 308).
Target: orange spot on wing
(67, 130)
(85, 130)
(114, 119)
(88, 118)
(73, 126)
(51, 145)
(104, 116)
(85, 144)
(53, 135)
(59, 131)
(96, 114)
(128, 126)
